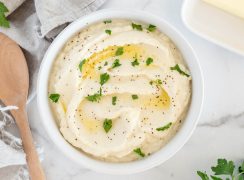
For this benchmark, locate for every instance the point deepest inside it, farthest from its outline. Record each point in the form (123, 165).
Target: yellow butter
(235, 7)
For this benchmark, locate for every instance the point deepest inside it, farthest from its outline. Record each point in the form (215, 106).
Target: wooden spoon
(14, 85)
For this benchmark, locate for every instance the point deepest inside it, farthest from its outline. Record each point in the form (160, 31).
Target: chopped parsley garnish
(119, 51)
(107, 21)
(136, 26)
(177, 68)
(116, 63)
(114, 99)
(167, 126)
(134, 96)
(107, 125)
(149, 61)
(99, 67)
(104, 78)
(3, 21)
(108, 31)
(139, 152)
(81, 64)
(54, 97)
(100, 91)
(135, 63)
(95, 97)
(151, 28)
(106, 63)
(157, 81)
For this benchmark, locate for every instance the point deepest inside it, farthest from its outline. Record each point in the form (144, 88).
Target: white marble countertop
(221, 126)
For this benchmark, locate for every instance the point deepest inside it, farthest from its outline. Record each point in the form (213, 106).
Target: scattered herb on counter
(107, 125)
(107, 21)
(139, 152)
(119, 51)
(136, 26)
(81, 64)
(95, 97)
(151, 28)
(104, 78)
(149, 61)
(167, 126)
(134, 96)
(3, 21)
(108, 31)
(224, 168)
(54, 97)
(116, 63)
(177, 68)
(135, 63)
(114, 99)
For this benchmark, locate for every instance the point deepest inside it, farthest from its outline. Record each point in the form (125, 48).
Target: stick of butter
(235, 7)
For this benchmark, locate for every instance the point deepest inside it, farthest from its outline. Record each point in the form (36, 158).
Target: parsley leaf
(151, 28)
(216, 178)
(167, 126)
(3, 21)
(95, 97)
(114, 99)
(203, 175)
(81, 64)
(177, 68)
(104, 78)
(116, 63)
(223, 167)
(119, 51)
(107, 125)
(157, 81)
(108, 31)
(139, 152)
(54, 97)
(107, 21)
(136, 26)
(134, 96)
(106, 63)
(149, 61)
(241, 168)
(135, 63)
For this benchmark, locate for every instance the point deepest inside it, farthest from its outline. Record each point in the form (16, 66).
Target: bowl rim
(179, 139)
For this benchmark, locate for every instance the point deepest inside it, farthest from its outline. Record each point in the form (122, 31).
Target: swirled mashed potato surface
(121, 88)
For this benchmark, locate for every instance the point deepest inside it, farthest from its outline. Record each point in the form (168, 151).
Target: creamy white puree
(134, 121)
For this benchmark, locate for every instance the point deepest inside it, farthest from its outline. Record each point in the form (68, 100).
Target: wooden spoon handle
(34, 165)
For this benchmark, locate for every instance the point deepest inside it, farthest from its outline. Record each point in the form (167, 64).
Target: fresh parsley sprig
(151, 27)
(224, 170)
(54, 97)
(81, 64)
(107, 125)
(177, 68)
(139, 152)
(104, 78)
(108, 31)
(3, 21)
(116, 63)
(167, 126)
(138, 27)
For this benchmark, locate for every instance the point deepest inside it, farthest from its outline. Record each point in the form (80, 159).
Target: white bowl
(175, 143)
